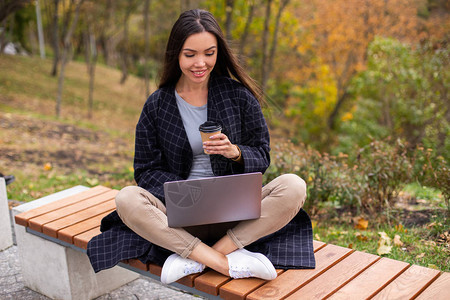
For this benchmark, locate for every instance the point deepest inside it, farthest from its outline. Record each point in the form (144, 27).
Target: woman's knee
(125, 198)
(295, 189)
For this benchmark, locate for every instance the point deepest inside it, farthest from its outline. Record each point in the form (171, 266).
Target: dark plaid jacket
(163, 153)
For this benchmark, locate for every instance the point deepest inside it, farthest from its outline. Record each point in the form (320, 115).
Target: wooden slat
(38, 222)
(210, 282)
(22, 219)
(336, 277)
(83, 239)
(409, 284)
(372, 280)
(291, 280)
(239, 289)
(438, 290)
(136, 263)
(155, 269)
(67, 234)
(52, 228)
(190, 279)
(317, 245)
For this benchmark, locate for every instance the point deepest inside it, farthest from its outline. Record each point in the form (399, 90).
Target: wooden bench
(340, 273)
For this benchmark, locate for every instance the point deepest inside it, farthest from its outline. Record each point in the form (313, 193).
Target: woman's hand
(220, 144)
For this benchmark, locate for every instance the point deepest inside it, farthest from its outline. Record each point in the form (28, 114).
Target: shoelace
(243, 272)
(191, 268)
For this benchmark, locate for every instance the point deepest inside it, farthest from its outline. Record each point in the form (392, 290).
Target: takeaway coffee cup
(208, 129)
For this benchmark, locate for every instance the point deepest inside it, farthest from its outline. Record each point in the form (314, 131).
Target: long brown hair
(197, 21)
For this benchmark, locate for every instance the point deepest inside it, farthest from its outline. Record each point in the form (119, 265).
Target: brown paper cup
(206, 135)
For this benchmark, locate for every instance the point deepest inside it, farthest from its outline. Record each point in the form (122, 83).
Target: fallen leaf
(92, 182)
(350, 246)
(421, 255)
(47, 166)
(360, 237)
(384, 244)
(432, 266)
(362, 224)
(397, 241)
(431, 225)
(317, 237)
(400, 228)
(314, 224)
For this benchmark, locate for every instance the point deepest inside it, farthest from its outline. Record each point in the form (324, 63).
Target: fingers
(220, 144)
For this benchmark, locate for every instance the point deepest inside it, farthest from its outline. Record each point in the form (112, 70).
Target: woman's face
(198, 57)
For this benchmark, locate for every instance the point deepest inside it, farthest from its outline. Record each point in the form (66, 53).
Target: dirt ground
(32, 147)
(26, 141)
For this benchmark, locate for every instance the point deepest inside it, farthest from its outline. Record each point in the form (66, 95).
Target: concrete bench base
(6, 240)
(61, 272)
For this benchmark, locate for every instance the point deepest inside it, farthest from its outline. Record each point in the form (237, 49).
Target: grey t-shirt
(192, 117)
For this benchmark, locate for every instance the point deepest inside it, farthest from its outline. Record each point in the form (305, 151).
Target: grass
(419, 243)
(48, 154)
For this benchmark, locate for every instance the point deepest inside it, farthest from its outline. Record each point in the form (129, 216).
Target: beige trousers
(145, 214)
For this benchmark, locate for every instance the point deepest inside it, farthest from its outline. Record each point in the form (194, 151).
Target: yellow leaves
(361, 223)
(384, 244)
(361, 237)
(400, 228)
(421, 255)
(48, 167)
(397, 241)
(347, 117)
(92, 181)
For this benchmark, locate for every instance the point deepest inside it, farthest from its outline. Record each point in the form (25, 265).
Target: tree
(55, 37)
(8, 7)
(229, 5)
(124, 48)
(65, 55)
(248, 22)
(402, 94)
(147, 46)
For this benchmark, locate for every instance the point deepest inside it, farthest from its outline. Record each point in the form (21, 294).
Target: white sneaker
(176, 267)
(243, 264)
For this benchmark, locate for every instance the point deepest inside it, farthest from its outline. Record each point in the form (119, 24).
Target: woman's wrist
(237, 158)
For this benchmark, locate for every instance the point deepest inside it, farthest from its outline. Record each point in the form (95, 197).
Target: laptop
(213, 200)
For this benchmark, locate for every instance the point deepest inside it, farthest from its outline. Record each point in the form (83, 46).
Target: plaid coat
(163, 153)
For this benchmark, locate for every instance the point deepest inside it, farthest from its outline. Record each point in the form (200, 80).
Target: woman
(196, 86)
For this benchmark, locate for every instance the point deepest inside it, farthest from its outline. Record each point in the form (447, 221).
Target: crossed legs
(282, 198)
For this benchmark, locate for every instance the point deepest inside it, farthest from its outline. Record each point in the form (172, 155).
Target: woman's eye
(189, 55)
(210, 54)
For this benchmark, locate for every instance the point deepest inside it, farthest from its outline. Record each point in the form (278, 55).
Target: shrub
(369, 184)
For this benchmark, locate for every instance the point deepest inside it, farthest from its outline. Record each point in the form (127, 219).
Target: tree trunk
(273, 47)
(55, 38)
(107, 42)
(92, 64)
(64, 59)
(3, 36)
(8, 7)
(146, 46)
(124, 49)
(244, 36)
(40, 30)
(229, 5)
(265, 41)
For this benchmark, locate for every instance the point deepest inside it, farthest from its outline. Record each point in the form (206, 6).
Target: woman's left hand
(220, 144)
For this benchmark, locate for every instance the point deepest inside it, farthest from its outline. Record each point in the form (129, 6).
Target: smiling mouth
(199, 73)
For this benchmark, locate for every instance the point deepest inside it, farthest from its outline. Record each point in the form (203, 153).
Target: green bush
(369, 184)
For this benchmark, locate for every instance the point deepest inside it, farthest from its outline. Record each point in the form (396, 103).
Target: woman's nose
(200, 62)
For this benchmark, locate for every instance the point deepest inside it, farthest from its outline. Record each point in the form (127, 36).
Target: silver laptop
(213, 200)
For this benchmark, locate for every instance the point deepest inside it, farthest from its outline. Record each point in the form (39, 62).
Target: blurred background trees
(339, 75)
